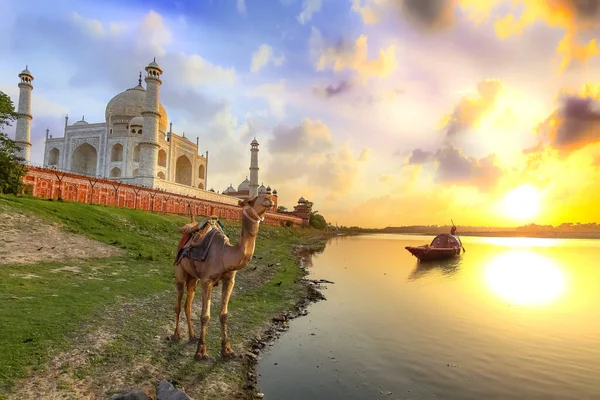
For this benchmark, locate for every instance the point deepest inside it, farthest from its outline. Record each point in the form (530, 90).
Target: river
(512, 318)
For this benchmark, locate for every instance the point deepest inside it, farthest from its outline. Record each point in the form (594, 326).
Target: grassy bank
(92, 327)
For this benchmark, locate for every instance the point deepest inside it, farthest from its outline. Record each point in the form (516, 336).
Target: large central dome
(130, 104)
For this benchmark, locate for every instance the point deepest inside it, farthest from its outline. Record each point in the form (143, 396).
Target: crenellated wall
(47, 183)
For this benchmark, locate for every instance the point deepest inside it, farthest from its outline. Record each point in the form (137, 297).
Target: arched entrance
(115, 172)
(136, 153)
(53, 157)
(162, 158)
(117, 152)
(183, 171)
(84, 160)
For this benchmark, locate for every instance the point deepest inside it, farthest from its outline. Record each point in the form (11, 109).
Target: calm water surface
(513, 318)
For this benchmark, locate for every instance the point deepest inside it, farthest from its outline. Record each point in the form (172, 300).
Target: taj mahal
(135, 144)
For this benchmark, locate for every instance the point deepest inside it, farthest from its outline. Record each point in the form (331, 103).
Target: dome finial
(83, 117)
(140, 79)
(154, 59)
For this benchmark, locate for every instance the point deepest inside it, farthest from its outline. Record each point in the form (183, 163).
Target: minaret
(24, 117)
(149, 143)
(254, 168)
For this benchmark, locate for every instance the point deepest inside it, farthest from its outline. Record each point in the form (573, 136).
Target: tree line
(12, 169)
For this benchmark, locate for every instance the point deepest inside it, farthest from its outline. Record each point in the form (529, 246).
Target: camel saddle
(197, 240)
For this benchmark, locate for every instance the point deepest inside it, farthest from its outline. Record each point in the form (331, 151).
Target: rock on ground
(166, 391)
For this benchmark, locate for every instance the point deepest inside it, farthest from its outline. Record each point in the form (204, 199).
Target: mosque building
(135, 144)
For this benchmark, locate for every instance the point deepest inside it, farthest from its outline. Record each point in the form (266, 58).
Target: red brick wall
(47, 183)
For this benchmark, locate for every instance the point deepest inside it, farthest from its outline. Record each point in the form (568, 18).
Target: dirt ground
(27, 240)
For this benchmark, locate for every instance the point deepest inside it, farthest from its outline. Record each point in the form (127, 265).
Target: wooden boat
(442, 246)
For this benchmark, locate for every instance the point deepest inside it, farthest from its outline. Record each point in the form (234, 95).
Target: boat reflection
(447, 267)
(525, 278)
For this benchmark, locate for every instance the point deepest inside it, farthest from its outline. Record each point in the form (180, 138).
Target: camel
(221, 263)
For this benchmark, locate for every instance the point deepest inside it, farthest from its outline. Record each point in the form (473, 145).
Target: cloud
(419, 156)
(311, 136)
(365, 155)
(195, 105)
(470, 109)
(263, 56)
(155, 33)
(197, 71)
(425, 14)
(91, 41)
(329, 91)
(574, 124)
(306, 154)
(574, 17)
(309, 7)
(351, 56)
(454, 168)
(273, 93)
(241, 6)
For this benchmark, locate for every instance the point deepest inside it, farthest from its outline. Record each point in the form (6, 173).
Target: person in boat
(453, 230)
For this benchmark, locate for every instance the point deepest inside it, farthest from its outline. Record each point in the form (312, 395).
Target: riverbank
(96, 323)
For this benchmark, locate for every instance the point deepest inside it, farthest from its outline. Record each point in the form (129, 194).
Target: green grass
(132, 297)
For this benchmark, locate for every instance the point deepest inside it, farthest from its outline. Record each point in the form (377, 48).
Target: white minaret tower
(254, 168)
(149, 144)
(24, 117)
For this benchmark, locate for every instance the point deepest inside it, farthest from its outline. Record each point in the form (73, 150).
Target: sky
(381, 112)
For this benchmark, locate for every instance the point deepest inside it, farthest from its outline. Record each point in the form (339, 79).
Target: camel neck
(247, 242)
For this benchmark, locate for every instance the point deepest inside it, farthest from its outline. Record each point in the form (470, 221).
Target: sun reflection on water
(525, 278)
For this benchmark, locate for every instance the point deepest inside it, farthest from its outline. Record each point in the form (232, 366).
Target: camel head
(257, 206)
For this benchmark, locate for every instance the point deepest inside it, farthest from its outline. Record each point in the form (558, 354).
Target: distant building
(250, 187)
(135, 144)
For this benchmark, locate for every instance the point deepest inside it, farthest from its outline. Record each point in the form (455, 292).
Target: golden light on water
(525, 278)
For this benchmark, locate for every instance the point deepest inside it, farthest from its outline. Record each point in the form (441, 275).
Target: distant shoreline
(540, 235)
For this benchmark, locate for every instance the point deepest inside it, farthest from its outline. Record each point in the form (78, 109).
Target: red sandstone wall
(50, 184)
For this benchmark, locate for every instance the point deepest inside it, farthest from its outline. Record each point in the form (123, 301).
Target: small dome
(275, 192)
(154, 64)
(262, 189)
(230, 189)
(254, 142)
(81, 122)
(245, 185)
(26, 72)
(301, 200)
(137, 121)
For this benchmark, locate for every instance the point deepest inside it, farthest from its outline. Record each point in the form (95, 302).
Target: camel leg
(204, 319)
(180, 279)
(226, 351)
(191, 291)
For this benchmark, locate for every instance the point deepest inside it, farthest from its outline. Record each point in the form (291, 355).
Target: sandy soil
(27, 240)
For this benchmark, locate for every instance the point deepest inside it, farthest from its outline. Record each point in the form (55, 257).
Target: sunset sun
(522, 203)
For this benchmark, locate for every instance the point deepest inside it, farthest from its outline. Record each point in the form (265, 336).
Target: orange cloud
(573, 16)
(470, 109)
(575, 123)
(352, 56)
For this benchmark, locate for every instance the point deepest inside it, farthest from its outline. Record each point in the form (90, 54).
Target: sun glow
(525, 278)
(522, 203)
